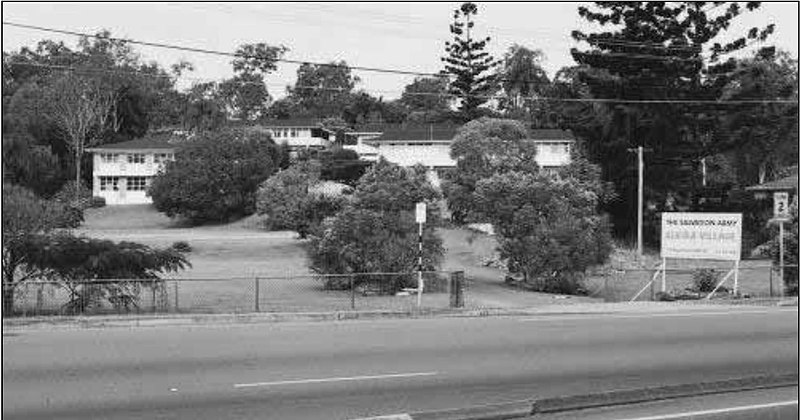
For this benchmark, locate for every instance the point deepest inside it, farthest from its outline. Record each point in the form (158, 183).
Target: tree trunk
(8, 299)
(78, 153)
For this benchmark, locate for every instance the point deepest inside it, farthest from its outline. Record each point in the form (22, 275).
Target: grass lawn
(227, 258)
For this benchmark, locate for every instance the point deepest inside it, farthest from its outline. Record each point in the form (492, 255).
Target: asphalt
(351, 369)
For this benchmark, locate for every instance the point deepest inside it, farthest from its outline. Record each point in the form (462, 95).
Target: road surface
(355, 369)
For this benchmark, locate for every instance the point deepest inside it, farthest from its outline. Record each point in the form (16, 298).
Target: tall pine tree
(468, 62)
(663, 52)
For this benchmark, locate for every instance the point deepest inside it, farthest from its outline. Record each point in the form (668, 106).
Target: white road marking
(343, 379)
(717, 411)
(562, 317)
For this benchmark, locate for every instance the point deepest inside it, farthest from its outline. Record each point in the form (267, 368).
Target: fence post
(770, 280)
(258, 308)
(176, 296)
(352, 293)
(154, 295)
(457, 289)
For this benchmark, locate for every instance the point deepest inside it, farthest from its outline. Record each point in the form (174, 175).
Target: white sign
(781, 200)
(703, 236)
(421, 212)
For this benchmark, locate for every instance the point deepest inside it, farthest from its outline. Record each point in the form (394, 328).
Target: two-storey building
(122, 172)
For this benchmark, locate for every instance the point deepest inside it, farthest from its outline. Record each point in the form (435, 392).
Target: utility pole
(640, 200)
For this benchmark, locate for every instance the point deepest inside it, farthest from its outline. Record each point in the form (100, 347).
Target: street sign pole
(780, 240)
(421, 216)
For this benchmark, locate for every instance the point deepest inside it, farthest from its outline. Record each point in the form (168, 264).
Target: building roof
(787, 183)
(292, 122)
(150, 142)
(447, 132)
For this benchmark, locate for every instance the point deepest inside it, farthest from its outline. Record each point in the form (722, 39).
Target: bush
(68, 196)
(705, 279)
(97, 202)
(214, 177)
(548, 230)
(182, 246)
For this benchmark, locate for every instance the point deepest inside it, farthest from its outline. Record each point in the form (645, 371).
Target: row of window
(132, 183)
(135, 157)
(286, 132)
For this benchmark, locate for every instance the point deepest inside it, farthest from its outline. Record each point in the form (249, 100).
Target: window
(137, 183)
(293, 132)
(136, 158)
(109, 183)
(108, 157)
(162, 158)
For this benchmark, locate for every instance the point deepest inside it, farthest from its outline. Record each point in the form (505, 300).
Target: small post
(176, 295)
(664, 274)
(736, 278)
(154, 296)
(352, 293)
(421, 215)
(257, 283)
(780, 254)
(640, 209)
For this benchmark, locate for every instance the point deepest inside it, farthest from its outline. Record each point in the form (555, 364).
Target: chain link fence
(696, 283)
(308, 293)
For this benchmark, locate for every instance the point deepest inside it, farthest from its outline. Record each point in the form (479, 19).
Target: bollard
(457, 289)
(352, 294)
(770, 281)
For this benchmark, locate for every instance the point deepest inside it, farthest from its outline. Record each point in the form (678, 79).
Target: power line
(488, 97)
(216, 52)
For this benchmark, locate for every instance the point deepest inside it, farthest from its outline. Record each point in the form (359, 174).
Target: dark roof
(447, 132)
(295, 122)
(551, 134)
(158, 141)
(788, 183)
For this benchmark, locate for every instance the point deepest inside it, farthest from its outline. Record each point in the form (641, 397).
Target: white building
(298, 134)
(122, 172)
(430, 146)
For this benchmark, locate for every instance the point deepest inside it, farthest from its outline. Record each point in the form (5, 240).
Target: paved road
(354, 369)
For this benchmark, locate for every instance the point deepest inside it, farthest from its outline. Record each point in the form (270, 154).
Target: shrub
(67, 195)
(97, 202)
(548, 230)
(705, 279)
(214, 177)
(182, 246)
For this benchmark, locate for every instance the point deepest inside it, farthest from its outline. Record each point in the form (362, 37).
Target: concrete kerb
(156, 320)
(530, 408)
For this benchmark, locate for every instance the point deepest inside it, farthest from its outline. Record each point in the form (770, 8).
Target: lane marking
(717, 411)
(342, 379)
(561, 317)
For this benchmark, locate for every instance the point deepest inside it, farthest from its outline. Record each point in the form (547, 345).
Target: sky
(405, 36)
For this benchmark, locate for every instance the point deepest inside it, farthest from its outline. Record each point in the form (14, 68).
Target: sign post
(421, 217)
(781, 214)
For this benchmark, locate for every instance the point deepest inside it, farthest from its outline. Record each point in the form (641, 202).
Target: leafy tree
(76, 261)
(288, 199)
(654, 51)
(245, 95)
(481, 148)
(426, 94)
(548, 229)
(24, 217)
(214, 177)
(324, 90)
(342, 165)
(522, 78)
(468, 62)
(377, 232)
(763, 138)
